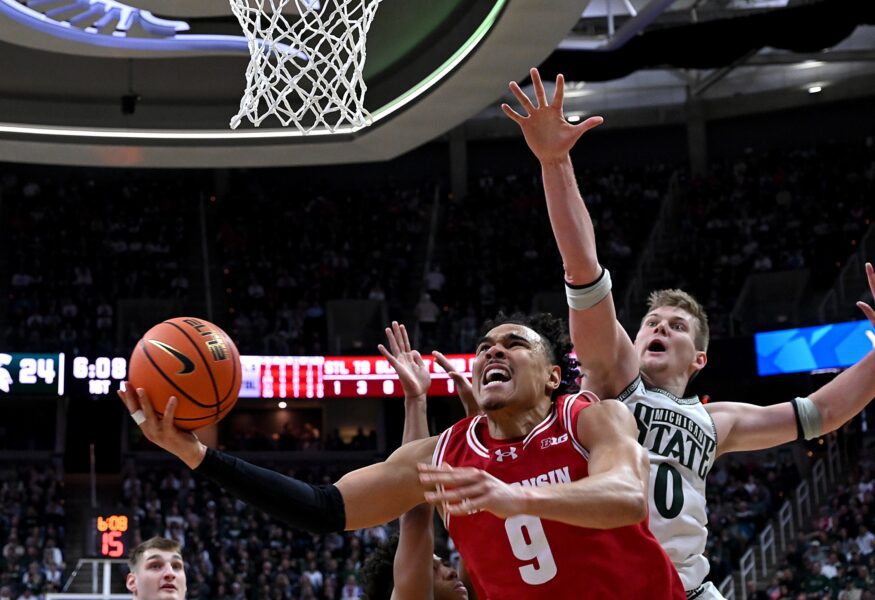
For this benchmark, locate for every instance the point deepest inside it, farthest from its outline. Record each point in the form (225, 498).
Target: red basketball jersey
(528, 557)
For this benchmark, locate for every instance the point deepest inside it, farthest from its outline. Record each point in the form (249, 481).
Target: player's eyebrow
(670, 318)
(511, 336)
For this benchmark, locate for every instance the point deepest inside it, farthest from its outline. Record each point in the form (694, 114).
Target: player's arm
(603, 348)
(349, 504)
(412, 569)
(747, 427)
(614, 494)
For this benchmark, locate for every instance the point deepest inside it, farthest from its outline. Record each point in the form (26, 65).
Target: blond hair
(684, 301)
(157, 543)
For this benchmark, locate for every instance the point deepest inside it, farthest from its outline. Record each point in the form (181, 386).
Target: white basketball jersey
(682, 440)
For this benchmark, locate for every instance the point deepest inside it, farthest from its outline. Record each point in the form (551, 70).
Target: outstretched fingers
(559, 93)
(521, 96)
(392, 339)
(590, 123)
(513, 115)
(389, 356)
(866, 308)
(540, 93)
(402, 335)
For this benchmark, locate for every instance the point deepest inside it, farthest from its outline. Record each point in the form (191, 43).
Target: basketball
(193, 360)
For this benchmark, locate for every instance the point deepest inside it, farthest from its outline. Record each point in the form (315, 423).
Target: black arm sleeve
(313, 508)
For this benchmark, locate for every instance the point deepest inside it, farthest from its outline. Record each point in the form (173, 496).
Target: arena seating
(835, 556)
(278, 260)
(32, 527)
(235, 552)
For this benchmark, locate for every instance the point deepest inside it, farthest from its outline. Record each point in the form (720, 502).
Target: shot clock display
(263, 376)
(110, 533)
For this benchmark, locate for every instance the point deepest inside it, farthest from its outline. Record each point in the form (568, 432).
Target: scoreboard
(338, 376)
(291, 377)
(31, 374)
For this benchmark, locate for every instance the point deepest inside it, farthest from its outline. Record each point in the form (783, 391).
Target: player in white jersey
(651, 374)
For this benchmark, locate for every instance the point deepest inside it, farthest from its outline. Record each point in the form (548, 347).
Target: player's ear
(554, 379)
(131, 584)
(700, 361)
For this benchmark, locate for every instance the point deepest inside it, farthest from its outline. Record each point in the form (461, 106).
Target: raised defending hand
(160, 430)
(549, 136)
(868, 310)
(412, 370)
(466, 490)
(463, 386)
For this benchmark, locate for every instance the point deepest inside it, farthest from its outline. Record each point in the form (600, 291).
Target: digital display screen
(97, 376)
(110, 534)
(338, 376)
(808, 349)
(292, 377)
(31, 374)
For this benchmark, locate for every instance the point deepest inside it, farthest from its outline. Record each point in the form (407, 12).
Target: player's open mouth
(494, 375)
(169, 587)
(656, 346)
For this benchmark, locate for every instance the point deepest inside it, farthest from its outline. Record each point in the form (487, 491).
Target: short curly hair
(557, 342)
(378, 577)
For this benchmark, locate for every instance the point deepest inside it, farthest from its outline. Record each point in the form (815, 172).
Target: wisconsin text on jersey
(674, 435)
(550, 477)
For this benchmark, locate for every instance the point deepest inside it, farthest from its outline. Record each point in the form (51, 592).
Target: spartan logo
(187, 363)
(500, 456)
(5, 377)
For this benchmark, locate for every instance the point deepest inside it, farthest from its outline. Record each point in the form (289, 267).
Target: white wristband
(581, 297)
(809, 418)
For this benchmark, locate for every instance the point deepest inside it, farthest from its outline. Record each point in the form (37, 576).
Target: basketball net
(309, 72)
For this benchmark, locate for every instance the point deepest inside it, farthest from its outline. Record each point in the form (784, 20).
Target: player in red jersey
(583, 536)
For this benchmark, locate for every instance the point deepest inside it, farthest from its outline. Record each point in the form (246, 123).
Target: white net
(307, 71)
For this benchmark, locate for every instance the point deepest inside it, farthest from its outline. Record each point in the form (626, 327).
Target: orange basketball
(193, 360)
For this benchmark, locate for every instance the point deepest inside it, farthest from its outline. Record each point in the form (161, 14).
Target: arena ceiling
(430, 66)
(160, 92)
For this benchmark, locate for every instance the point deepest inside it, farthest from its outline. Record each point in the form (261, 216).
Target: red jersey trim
(473, 442)
(545, 424)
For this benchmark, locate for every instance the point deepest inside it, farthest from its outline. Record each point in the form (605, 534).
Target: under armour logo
(5, 377)
(500, 456)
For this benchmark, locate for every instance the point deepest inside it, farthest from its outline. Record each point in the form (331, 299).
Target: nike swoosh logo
(187, 363)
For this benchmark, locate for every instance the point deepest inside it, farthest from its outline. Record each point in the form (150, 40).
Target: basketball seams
(196, 414)
(235, 359)
(145, 351)
(203, 359)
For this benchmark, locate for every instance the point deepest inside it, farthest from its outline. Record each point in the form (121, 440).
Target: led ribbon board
(809, 349)
(338, 376)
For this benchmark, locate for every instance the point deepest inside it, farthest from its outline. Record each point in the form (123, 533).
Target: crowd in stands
(744, 493)
(283, 259)
(303, 438)
(79, 242)
(233, 552)
(495, 249)
(770, 211)
(834, 558)
(32, 528)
